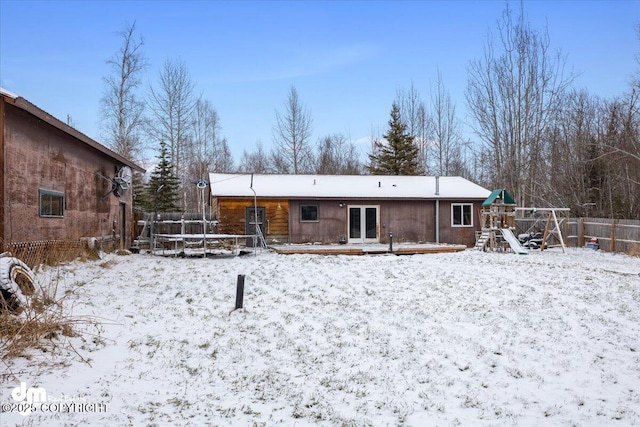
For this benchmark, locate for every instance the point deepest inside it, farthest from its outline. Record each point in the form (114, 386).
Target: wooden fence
(614, 235)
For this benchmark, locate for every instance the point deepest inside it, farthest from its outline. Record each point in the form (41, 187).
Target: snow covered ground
(464, 338)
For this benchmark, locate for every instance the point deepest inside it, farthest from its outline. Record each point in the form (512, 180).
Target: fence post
(581, 232)
(613, 235)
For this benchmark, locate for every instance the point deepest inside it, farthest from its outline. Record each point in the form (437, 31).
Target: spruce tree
(140, 196)
(162, 190)
(398, 155)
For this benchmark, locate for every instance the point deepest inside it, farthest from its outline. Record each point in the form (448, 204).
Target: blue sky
(346, 59)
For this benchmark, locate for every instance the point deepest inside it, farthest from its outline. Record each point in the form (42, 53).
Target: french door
(363, 224)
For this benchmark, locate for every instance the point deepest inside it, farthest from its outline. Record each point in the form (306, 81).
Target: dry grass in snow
(441, 339)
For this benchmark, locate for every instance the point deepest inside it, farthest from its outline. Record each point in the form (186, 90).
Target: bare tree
(568, 173)
(337, 156)
(446, 131)
(513, 94)
(224, 159)
(255, 162)
(172, 105)
(414, 114)
(205, 146)
(207, 151)
(620, 155)
(292, 152)
(121, 109)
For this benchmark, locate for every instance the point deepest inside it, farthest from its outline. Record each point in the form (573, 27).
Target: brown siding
(2, 166)
(231, 214)
(40, 156)
(331, 228)
(458, 235)
(408, 220)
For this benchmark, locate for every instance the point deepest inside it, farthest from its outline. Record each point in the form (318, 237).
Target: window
(461, 215)
(51, 204)
(309, 213)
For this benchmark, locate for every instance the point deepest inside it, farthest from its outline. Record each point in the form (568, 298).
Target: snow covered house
(349, 209)
(55, 182)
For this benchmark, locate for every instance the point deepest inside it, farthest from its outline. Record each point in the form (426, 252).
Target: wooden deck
(372, 249)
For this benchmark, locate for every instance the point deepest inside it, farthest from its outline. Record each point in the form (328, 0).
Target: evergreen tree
(140, 195)
(162, 190)
(397, 155)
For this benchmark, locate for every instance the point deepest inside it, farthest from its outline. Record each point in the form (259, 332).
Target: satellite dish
(121, 183)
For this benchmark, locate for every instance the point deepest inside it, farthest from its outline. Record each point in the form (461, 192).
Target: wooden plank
(613, 235)
(546, 233)
(232, 215)
(373, 250)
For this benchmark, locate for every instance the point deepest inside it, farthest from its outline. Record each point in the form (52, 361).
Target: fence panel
(48, 252)
(614, 235)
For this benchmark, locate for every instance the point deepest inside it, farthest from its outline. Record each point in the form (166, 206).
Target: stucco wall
(40, 157)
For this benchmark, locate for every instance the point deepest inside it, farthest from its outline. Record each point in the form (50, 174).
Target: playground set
(498, 219)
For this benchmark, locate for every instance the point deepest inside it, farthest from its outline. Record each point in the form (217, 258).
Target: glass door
(363, 224)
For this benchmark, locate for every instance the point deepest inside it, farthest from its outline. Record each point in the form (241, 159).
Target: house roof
(345, 186)
(27, 106)
(499, 194)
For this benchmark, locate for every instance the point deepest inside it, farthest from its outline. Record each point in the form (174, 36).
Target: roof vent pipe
(379, 184)
(314, 182)
(437, 185)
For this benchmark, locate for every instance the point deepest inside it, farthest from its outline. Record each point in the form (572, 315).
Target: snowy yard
(464, 338)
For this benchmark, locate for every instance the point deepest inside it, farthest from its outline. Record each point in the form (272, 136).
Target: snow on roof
(345, 186)
(8, 94)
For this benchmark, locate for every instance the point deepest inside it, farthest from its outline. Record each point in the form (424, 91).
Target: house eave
(34, 110)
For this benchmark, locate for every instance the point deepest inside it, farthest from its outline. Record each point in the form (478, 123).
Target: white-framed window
(309, 213)
(51, 203)
(462, 214)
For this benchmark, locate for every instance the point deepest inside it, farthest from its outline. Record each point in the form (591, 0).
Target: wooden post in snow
(240, 291)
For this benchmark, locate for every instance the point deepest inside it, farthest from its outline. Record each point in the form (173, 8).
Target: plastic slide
(513, 242)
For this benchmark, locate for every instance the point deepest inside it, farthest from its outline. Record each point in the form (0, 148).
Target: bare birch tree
(172, 105)
(121, 109)
(414, 114)
(513, 94)
(207, 151)
(337, 156)
(205, 146)
(256, 161)
(292, 152)
(445, 128)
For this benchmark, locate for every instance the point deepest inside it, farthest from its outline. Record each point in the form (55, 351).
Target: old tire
(17, 284)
